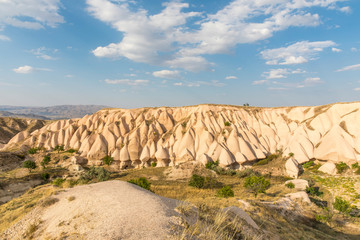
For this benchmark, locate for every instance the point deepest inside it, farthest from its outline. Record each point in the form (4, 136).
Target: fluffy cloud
(166, 74)
(24, 69)
(312, 80)
(127, 82)
(170, 39)
(213, 83)
(336, 49)
(348, 68)
(31, 14)
(230, 77)
(300, 52)
(259, 82)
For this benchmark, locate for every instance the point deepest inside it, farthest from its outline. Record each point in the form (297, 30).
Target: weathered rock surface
(300, 184)
(302, 196)
(329, 168)
(292, 168)
(137, 137)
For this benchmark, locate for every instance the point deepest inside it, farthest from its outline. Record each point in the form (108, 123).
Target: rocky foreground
(233, 135)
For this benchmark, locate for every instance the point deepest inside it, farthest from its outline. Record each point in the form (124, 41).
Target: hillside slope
(233, 135)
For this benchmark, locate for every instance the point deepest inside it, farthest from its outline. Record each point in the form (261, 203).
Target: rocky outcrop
(232, 135)
(292, 168)
(329, 168)
(299, 184)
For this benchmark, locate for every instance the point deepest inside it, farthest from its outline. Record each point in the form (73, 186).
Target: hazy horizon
(133, 54)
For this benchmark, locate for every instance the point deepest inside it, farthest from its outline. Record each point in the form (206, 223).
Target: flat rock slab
(300, 184)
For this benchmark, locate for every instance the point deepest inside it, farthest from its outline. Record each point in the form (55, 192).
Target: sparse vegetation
(256, 184)
(58, 182)
(29, 164)
(212, 165)
(98, 173)
(313, 191)
(45, 176)
(197, 181)
(341, 167)
(225, 192)
(290, 185)
(291, 154)
(141, 182)
(49, 201)
(227, 124)
(59, 148)
(268, 159)
(153, 164)
(46, 160)
(33, 150)
(107, 160)
(342, 205)
(308, 164)
(71, 150)
(246, 172)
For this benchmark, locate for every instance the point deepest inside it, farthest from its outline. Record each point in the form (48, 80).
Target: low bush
(342, 205)
(355, 165)
(49, 201)
(46, 160)
(227, 124)
(58, 182)
(268, 159)
(71, 150)
(197, 181)
(290, 185)
(313, 191)
(212, 165)
(59, 148)
(108, 160)
(141, 182)
(225, 192)
(246, 172)
(341, 167)
(256, 184)
(153, 164)
(29, 165)
(33, 150)
(45, 176)
(98, 173)
(308, 164)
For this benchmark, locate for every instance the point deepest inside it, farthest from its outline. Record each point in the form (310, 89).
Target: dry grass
(11, 212)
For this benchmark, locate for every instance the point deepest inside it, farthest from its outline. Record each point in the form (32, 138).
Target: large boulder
(292, 168)
(300, 184)
(78, 160)
(329, 168)
(302, 196)
(243, 215)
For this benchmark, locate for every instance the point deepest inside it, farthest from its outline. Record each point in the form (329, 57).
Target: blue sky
(174, 53)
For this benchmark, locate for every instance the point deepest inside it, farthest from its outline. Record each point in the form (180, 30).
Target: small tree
(59, 148)
(225, 192)
(46, 160)
(197, 181)
(341, 167)
(141, 182)
(29, 165)
(256, 184)
(108, 160)
(33, 150)
(227, 123)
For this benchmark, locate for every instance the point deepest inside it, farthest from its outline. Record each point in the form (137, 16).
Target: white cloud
(312, 80)
(336, 49)
(44, 53)
(300, 52)
(69, 76)
(29, 69)
(348, 68)
(166, 74)
(231, 77)
(213, 83)
(345, 9)
(24, 69)
(127, 82)
(170, 39)
(31, 14)
(4, 38)
(356, 89)
(353, 49)
(259, 82)
(281, 73)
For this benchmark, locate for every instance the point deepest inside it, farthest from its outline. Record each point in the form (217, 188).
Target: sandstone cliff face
(233, 135)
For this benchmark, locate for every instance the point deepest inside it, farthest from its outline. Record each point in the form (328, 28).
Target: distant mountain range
(48, 113)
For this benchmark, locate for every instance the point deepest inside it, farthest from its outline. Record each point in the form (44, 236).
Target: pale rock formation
(302, 196)
(329, 168)
(292, 168)
(300, 184)
(135, 137)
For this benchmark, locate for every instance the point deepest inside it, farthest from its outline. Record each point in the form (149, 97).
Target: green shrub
(29, 165)
(323, 218)
(46, 160)
(98, 173)
(290, 185)
(108, 160)
(308, 164)
(358, 171)
(59, 148)
(245, 173)
(33, 150)
(153, 164)
(58, 182)
(256, 184)
(314, 191)
(45, 176)
(212, 165)
(341, 167)
(141, 182)
(355, 165)
(225, 192)
(268, 159)
(71, 150)
(197, 181)
(342, 205)
(227, 124)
